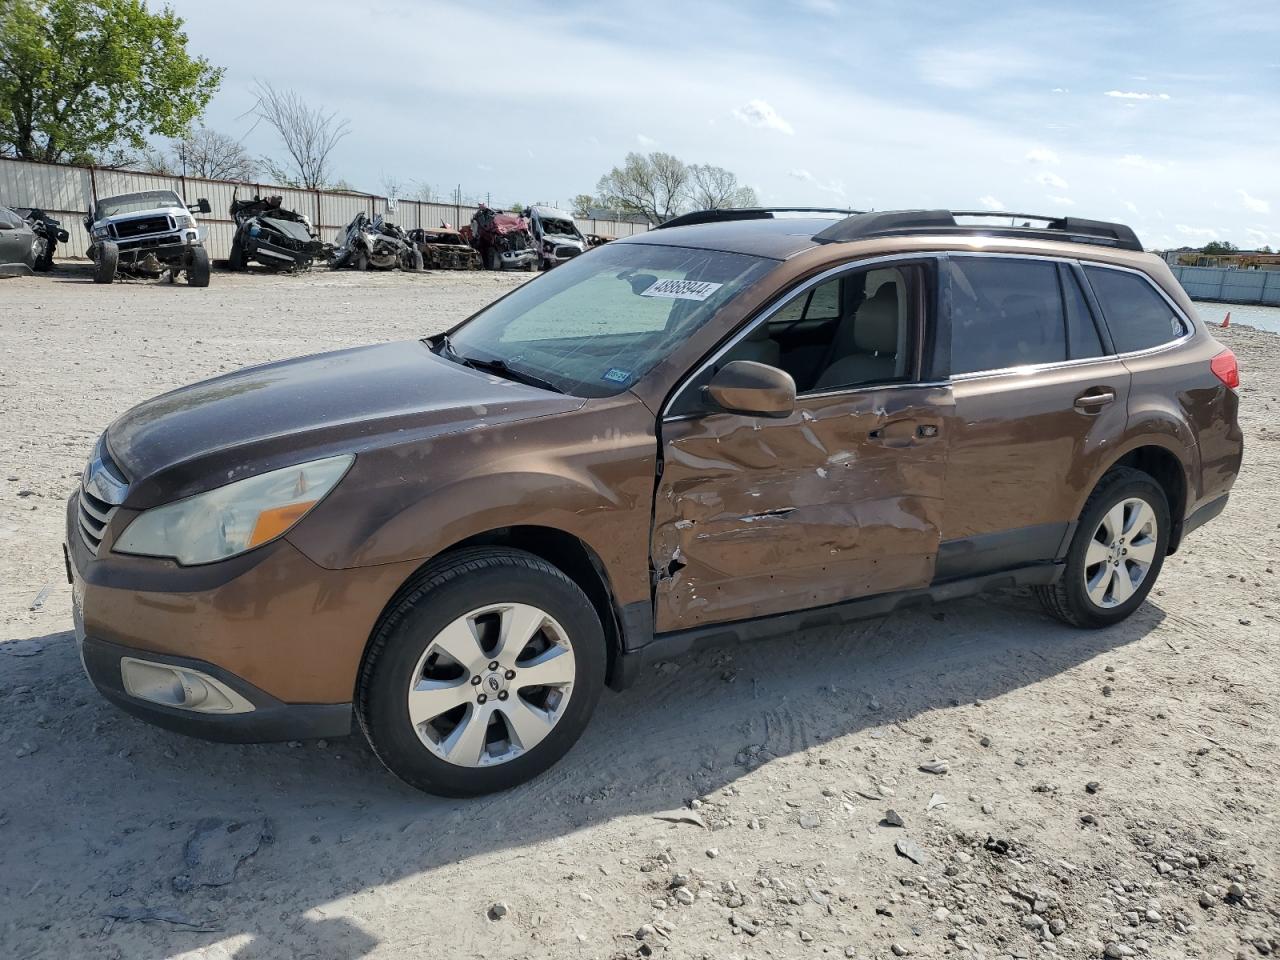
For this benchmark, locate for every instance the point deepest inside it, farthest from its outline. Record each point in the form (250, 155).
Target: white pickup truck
(146, 234)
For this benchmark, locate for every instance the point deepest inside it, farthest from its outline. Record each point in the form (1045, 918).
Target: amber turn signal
(271, 523)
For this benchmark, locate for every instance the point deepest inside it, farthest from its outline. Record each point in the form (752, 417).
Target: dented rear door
(842, 499)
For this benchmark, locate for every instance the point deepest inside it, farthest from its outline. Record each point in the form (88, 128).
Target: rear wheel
(492, 260)
(198, 267)
(1116, 554)
(483, 673)
(360, 261)
(106, 259)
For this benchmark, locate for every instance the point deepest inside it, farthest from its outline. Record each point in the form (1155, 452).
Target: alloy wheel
(491, 685)
(1121, 553)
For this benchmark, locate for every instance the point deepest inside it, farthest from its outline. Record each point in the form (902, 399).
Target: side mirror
(202, 206)
(744, 386)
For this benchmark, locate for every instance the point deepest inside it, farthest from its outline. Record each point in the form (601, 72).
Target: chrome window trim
(1027, 369)
(846, 267)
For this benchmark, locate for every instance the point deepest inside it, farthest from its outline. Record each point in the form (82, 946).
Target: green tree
(1218, 247)
(81, 79)
(656, 186)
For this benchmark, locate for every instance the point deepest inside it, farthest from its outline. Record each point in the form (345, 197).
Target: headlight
(101, 232)
(232, 519)
(182, 221)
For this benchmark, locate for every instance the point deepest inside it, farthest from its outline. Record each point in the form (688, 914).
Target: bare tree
(715, 188)
(392, 186)
(309, 135)
(582, 205)
(656, 186)
(425, 192)
(208, 153)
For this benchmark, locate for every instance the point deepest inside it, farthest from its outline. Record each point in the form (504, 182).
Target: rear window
(1137, 316)
(1083, 341)
(1005, 313)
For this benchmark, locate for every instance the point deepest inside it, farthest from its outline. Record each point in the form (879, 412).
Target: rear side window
(1137, 316)
(1005, 313)
(1083, 341)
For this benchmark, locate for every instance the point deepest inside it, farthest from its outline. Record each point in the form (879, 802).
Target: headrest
(875, 328)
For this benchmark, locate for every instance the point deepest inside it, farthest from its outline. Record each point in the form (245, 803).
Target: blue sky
(1165, 115)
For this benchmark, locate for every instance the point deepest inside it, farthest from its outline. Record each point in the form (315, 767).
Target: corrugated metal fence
(68, 192)
(1228, 285)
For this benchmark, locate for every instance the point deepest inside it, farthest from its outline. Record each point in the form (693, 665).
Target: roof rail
(863, 226)
(744, 213)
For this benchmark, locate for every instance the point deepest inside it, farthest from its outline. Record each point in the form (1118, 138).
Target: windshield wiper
(500, 367)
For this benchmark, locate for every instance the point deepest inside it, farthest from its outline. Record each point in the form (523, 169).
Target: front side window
(1137, 316)
(1005, 313)
(593, 326)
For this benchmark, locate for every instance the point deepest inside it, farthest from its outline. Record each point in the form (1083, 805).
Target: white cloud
(834, 187)
(645, 141)
(1131, 95)
(1060, 90)
(991, 203)
(972, 69)
(759, 113)
(1260, 235)
(1061, 201)
(1048, 178)
(1208, 233)
(1131, 206)
(1255, 204)
(1141, 162)
(1041, 155)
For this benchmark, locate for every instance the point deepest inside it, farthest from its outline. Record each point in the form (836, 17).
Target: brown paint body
(697, 520)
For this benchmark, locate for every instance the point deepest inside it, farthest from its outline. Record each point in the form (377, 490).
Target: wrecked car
(372, 243)
(277, 238)
(145, 234)
(556, 237)
(730, 427)
(20, 247)
(444, 248)
(503, 240)
(48, 229)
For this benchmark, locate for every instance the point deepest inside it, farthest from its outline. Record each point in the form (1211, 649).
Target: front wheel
(106, 259)
(483, 674)
(1116, 554)
(198, 267)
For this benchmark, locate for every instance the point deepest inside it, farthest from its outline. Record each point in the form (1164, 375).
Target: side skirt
(667, 646)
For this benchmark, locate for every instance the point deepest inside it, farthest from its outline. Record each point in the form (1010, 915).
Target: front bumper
(282, 632)
(269, 720)
(518, 258)
(274, 254)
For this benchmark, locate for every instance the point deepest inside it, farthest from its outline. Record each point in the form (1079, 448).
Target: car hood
(290, 228)
(565, 240)
(261, 418)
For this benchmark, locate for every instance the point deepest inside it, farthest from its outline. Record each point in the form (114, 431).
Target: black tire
(198, 267)
(444, 590)
(492, 260)
(235, 259)
(106, 260)
(44, 262)
(361, 260)
(1068, 600)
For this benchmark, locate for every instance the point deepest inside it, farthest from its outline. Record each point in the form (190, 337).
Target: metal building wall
(1228, 285)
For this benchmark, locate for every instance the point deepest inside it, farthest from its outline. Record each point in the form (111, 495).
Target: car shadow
(107, 803)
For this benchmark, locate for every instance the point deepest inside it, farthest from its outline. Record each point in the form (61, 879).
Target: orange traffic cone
(1226, 321)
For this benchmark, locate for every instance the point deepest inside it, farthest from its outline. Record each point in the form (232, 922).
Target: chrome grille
(95, 514)
(141, 226)
(102, 490)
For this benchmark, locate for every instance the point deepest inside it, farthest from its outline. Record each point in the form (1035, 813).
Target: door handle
(1091, 401)
(903, 433)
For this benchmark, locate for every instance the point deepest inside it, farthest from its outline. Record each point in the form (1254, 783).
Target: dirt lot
(1112, 790)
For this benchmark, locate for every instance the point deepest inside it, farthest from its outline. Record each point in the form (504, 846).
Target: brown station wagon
(742, 423)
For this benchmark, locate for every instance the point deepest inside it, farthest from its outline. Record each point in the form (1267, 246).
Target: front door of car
(841, 498)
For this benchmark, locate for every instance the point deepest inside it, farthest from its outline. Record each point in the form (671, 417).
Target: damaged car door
(838, 497)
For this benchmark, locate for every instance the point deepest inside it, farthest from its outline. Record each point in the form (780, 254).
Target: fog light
(179, 687)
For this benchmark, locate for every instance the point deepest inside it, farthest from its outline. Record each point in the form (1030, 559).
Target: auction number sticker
(682, 289)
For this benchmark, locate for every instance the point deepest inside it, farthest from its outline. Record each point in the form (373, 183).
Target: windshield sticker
(615, 375)
(682, 289)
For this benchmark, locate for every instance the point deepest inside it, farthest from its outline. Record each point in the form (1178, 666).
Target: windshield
(563, 228)
(593, 326)
(133, 202)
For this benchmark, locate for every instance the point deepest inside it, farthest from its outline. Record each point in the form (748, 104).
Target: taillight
(1226, 369)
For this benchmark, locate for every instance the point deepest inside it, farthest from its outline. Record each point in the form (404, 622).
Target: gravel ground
(1110, 792)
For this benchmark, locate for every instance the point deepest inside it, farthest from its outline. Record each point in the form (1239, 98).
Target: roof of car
(778, 238)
